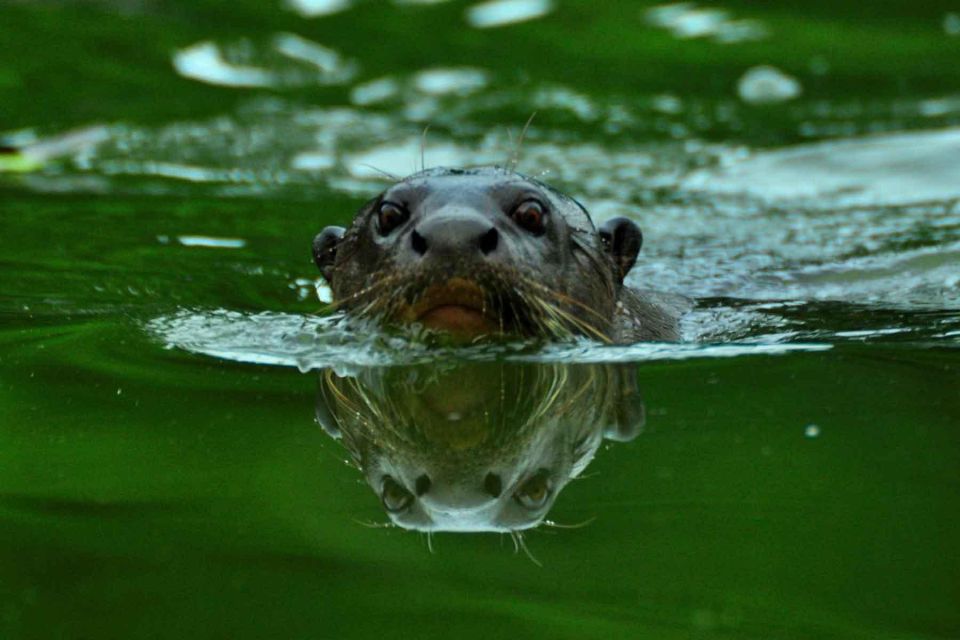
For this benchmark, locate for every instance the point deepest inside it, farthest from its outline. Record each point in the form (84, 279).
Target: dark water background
(161, 470)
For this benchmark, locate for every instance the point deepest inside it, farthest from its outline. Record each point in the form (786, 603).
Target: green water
(162, 471)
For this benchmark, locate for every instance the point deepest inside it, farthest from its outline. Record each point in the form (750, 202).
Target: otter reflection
(477, 446)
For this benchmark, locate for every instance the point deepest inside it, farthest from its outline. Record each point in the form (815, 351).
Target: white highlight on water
(297, 48)
(951, 24)
(212, 242)
(403, 157)
(205, 62)
(313, 161)
(685, 20)
(318, 8)
(767, 85)
(374, 91)
(498, 13)
(887, 169)
(306, 63)
(450, 81)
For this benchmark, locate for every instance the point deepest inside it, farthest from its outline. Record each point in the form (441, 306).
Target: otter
(488, 251)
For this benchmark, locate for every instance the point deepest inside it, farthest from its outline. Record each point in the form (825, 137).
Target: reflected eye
(393, 496)
(390, 216)
(530, 215)
(533, 493)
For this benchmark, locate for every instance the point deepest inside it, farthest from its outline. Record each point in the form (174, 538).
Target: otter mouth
(458, 306)
(468, 305)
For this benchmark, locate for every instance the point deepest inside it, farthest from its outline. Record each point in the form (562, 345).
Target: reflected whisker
(579, 525)
(526, 550)
(375, 525)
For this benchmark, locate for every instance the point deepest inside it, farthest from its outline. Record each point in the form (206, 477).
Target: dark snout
(457, 232)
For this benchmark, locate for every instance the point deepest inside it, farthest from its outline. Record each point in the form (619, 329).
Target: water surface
(167, 464)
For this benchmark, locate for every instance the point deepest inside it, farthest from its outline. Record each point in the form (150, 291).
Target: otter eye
(533, 493)
(390, 216)
(530, 215)
(394, 497)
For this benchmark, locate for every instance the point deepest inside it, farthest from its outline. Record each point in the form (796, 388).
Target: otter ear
(628, 411)
(325, 250)
(622, 239)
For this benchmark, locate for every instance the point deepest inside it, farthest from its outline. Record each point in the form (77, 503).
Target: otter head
(479, 252)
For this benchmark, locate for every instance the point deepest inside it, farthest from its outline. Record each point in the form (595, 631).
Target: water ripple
(313, 342)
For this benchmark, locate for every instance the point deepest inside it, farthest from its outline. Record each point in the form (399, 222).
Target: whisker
(562, 314)
(515, 158)
(562, 297)
(423, 146)
(385, 174)
(380, 283)
(523, 302)
(566, 320)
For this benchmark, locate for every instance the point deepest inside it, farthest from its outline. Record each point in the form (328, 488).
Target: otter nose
(455, 233)
(457, 492)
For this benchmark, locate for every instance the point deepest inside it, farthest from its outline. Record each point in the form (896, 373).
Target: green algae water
(190, 447)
